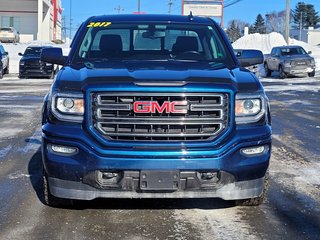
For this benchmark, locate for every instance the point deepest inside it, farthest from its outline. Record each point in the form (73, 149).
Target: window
(7, 21)
(152, 41)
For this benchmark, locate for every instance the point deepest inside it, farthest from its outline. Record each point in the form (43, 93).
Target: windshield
(33, 51)
(292, 51)
(6, 29)
(152, 41)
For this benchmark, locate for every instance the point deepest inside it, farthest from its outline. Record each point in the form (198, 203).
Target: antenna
(190, 16)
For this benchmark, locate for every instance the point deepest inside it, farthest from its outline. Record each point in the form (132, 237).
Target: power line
(230, 3)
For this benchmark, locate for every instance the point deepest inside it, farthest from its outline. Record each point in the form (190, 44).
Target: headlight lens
(312, 61)
(287, 63)
(68, 107)
(249, 109)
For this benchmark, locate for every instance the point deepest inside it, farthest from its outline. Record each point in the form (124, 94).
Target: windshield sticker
(98, 24)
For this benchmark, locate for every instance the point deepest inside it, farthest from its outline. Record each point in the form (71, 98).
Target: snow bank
(265, 42)
(14, 48)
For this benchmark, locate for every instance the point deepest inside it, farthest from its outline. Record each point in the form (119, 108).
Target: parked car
(4, 62)
(9, 34)
(31, 66)
(254, 69)
(289, 60)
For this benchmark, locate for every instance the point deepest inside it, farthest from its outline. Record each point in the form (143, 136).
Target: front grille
(204, 116)
(300, 64)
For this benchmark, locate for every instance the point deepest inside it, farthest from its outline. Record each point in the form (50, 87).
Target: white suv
(9, 34)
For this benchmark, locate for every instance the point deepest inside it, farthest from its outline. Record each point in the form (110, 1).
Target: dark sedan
(31, 66)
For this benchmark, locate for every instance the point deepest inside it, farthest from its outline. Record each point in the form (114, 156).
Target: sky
(245, 10)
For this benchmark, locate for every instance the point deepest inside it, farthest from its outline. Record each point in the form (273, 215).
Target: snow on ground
(265, 42)
(15, 48)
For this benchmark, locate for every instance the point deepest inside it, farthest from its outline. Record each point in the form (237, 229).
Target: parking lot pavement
(292, 209)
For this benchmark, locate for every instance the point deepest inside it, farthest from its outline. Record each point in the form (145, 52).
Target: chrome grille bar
(114, 118)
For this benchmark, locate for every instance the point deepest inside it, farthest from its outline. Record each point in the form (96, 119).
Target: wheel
(257, 200)
(51, 200)
(267, 70)
(7, 69)
(1, 73)
(282, 74)
(311, 74)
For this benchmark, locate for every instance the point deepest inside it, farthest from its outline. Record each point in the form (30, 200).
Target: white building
(33, 19)
(310, 36)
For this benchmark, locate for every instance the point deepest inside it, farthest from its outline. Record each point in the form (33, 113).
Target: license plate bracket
(159, 180)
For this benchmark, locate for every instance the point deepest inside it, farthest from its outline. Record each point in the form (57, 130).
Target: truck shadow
(35, 171)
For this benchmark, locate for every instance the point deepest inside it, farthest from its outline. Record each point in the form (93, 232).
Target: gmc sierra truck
(289, 60)
(154, 106)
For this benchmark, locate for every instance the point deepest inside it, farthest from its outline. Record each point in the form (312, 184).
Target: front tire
(257, 200)
(267, 70)
(312, 74)
(7, 69)
(1, 73)
(282, 74)
(51, 200)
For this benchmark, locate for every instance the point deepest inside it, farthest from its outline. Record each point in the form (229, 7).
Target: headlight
(48, 64)
(68, 107)
(312, 61)
(249, 109)
(287, 63)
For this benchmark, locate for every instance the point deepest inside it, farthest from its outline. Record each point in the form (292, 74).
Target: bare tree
(275, 21)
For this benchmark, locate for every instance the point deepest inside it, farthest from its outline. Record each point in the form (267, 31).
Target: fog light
(254, 150)
(64, 149)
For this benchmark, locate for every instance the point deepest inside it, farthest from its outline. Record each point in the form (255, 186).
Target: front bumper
(298, 70)
(32, 72)
(68, 175)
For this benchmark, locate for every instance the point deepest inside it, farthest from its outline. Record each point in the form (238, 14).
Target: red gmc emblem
(154, 106)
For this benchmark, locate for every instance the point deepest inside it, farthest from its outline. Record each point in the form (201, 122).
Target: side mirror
(250, 57)
(53, 55)
(20, 54)
(6, 53)
(310, 52)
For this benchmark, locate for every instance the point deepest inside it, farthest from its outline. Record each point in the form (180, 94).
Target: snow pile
(14, 48)
(262, 42)
(265, 42)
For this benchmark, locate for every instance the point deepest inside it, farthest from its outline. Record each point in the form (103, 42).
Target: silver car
(9, 34)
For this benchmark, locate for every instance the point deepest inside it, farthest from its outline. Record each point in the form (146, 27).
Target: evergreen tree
(233, 31)
(305, 15)
(259, 25)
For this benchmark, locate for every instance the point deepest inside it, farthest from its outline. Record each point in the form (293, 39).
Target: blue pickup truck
(154, 106)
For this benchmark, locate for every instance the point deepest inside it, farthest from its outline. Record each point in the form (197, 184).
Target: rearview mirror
(248, 57)
(53, 55)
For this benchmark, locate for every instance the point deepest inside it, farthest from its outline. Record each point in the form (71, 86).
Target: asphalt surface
(292, 209)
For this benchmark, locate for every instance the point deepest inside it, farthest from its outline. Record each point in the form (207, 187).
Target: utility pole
(170, 3)
(119, 9)
(300, 32)
(64, 28)
(138, 6)
(287, 21)
(70, 27)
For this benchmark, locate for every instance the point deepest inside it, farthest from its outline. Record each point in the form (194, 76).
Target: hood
(156, 73)
(30, 57)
